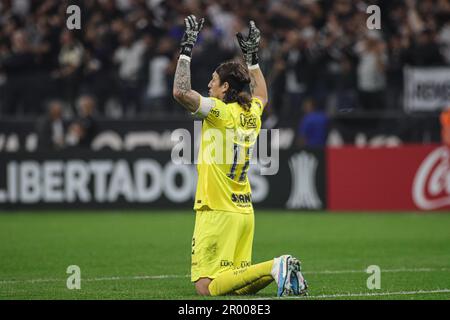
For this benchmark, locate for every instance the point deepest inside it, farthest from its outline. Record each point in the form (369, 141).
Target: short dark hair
(238, 78)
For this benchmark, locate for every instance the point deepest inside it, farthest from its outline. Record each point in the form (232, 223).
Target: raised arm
(249, 47)
(182, 90)
(258, 87)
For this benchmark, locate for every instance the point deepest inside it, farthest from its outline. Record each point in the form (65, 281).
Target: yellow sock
(255, 286)
(235, 279)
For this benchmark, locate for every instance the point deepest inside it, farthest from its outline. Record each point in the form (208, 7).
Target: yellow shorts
(222, 240)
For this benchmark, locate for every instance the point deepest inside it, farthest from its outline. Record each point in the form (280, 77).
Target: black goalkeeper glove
(191, 32)
(250, 45)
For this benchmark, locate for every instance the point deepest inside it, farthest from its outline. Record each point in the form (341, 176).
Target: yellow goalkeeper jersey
(229, 134)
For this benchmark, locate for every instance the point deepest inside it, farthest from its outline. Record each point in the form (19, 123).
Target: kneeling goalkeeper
(224, 223)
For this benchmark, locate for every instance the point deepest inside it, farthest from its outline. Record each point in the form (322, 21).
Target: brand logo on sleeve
(215, 112)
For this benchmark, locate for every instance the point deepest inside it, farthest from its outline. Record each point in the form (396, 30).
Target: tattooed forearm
(252, 83)
(258, 87)
(182, 81)
(182, 90)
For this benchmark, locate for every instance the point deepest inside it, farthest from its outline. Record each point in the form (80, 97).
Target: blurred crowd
(124, 56)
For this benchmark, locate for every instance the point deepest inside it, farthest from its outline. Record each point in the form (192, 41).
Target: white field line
(163, 276)
(175, 276)
(362, 294)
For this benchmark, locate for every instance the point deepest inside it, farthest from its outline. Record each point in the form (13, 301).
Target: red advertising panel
(401, 178)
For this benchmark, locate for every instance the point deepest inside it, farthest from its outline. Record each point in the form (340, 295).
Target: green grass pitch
(146, 255)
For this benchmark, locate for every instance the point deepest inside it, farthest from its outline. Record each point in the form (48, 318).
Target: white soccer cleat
(287, 275)
(280, 272)
(299, 285)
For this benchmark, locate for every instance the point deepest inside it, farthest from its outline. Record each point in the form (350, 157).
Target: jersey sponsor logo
(248, 121)
(431, 186)
(245, 264)
(241, 198)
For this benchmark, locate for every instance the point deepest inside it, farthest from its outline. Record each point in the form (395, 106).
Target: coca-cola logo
(431, 186)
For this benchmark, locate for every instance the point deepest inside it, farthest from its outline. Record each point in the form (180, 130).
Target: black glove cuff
(187, 50)
(251, 59)
(254, 59)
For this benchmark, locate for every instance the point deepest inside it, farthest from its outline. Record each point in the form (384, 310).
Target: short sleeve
(214, 111)
(206, 104)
